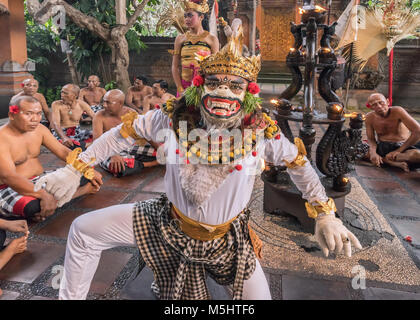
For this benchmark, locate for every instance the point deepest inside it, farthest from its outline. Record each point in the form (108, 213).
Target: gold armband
(300, 158)
(79, 165)
(321, 207)
(127, 129)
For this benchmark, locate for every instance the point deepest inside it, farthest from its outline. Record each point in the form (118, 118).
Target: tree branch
(42, 12)
(132, 20)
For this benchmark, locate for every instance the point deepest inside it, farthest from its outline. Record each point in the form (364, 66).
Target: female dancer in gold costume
(195, 40)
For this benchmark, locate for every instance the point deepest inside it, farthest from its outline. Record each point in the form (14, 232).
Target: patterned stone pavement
(34, 275)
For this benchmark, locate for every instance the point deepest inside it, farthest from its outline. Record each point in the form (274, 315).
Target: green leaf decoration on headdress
(193, 95)
(250, 102)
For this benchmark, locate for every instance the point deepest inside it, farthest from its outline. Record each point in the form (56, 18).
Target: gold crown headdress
(199, 6)
(229, 60)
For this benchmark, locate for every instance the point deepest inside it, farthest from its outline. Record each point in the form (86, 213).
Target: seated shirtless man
(92, 95)
(128, 161)
(66, 115)
(159, 96)
(137, 93)
(16, 245)
(398, 134)
(30, 88)
(20, 145)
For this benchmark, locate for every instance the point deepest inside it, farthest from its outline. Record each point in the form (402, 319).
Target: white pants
(111, 227)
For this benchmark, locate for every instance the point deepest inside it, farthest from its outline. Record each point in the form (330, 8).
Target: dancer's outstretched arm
(330, 232)
(64, 182)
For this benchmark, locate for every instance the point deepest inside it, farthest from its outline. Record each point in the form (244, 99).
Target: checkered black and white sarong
(13, 203)
(180, 263)
(144, 153)
(74, 133)
(96, 108)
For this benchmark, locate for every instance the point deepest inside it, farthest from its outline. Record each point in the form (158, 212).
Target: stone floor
(34, 275)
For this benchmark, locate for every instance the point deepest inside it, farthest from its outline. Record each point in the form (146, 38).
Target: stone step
(274, 78)
(138, 288)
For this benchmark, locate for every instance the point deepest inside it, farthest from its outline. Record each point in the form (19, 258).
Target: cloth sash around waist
(198, 230)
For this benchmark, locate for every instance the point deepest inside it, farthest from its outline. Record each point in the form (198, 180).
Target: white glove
(62, 184)
(332, 235)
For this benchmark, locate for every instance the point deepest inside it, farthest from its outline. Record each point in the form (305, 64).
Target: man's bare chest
(111, 123)
(92, 97)
(24, 149)
(71, 113)
(387, 126)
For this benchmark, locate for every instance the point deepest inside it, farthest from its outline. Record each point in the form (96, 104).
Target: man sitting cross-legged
(398, 134)
(66, 116)
(129, 161)
(30, 88)
(16, 245)
(159, 96)
(20, 145)
(92, 95)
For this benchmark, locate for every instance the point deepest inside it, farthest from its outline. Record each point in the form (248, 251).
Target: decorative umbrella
(379, 27)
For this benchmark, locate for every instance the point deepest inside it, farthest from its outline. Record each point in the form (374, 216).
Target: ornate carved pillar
(276, 40)
(14, 64)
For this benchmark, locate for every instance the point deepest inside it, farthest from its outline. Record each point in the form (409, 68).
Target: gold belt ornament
(206, 232)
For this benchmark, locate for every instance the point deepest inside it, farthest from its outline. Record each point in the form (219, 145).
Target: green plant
(51, 94)
(111, 85)
(41, 42)
(88, 51)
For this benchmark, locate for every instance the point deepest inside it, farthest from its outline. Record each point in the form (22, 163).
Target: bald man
(30, 88)
(66, 116)
(92, 95)
(129, 161)
(398, 134)
(20, 145)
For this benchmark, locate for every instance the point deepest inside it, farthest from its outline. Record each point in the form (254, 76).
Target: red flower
(198, 81)
(22, 84)
(253, 88)
(408, 239)
(368, 105)
(14, 109)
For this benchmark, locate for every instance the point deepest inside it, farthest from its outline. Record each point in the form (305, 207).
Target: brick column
(14, 66)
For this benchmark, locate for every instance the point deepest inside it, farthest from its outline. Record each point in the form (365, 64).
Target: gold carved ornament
(320, 208)
(229, 60)
(84, 168)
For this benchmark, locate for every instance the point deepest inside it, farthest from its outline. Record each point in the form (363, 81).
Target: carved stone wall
(154, 62)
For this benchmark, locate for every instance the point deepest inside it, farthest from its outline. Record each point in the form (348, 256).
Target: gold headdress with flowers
(229, 60)
(197, 5)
